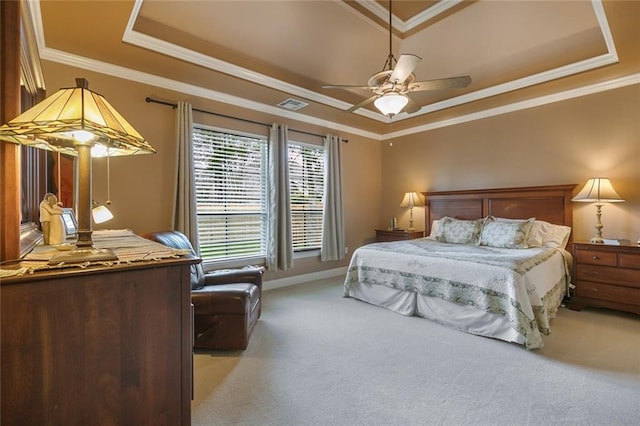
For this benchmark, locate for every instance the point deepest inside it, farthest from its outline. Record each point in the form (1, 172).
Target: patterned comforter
(495, 280)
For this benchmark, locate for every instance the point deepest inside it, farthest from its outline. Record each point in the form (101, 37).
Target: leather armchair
(227, 303)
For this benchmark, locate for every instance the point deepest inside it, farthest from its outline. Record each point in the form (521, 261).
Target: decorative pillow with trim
(458, 231)
(506, 233)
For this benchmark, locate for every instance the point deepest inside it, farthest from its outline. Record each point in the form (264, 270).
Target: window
(230, 178)
(306, 188)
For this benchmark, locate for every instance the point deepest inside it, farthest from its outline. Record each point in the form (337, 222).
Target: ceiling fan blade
(363, 103)
(411, 106)
(442, 83)
(405, 66)
(345, 86)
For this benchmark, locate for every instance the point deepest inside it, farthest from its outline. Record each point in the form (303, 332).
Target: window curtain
(279, 239)
(333, 240)
(184, 208)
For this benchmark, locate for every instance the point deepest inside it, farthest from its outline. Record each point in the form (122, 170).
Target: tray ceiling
(256, 54)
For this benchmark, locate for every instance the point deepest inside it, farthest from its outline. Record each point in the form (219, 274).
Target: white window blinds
(306, 187)
(230, 176)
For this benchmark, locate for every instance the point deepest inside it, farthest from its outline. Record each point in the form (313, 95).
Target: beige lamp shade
(598, 190)
(412, 199)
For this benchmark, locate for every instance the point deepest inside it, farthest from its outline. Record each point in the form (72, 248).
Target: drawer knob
(595, 258)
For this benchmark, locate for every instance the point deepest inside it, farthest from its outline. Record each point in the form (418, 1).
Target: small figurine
(51, 220)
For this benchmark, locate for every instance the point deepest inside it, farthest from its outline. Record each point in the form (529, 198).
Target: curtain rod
(173, 105)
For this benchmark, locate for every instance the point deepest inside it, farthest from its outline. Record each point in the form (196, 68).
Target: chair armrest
(231, 276)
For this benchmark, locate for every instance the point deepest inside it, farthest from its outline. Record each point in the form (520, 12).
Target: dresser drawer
(629, 260)
(612, 293)
(608, 274)
(595, 257)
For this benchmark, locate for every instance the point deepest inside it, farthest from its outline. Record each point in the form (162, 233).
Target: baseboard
(304, 278)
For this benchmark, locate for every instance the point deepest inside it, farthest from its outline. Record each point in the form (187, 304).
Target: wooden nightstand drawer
(610, 293)
(595, 257)
(629, 260)
(384, 236)
(607, 274)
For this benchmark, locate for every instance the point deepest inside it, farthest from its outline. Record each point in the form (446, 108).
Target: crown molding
(543, 77)
(31, 71)
(142, 40)
(172, 50)
(70, 59)
(517, 106)
(405, 26)
(190, 89)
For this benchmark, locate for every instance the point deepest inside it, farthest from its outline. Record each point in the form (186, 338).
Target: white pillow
(506, 233)
(435, 226)
(545, 234)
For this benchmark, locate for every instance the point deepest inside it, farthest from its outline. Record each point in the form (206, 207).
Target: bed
(504, 276)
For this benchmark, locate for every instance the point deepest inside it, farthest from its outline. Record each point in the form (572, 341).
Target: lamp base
(82, 255)
(596, 240)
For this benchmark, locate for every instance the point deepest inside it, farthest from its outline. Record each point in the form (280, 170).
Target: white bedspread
(519, 285)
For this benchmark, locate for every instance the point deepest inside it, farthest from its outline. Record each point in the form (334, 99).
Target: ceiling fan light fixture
(391, 103)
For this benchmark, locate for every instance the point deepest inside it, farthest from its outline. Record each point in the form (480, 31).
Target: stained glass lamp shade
(73, 121)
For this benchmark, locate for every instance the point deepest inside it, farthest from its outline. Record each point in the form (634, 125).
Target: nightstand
(606, 276)
(383, 236)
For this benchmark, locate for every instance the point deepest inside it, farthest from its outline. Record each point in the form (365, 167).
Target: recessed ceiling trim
(517, 106)
(70, 59)
(187, 55)
(170, 49)
(180, 87)
(100, 67)
(418, 19)
(601, 16)
(608, 58)
(509, 86)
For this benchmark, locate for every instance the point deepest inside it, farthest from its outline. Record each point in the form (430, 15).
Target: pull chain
(108, 180)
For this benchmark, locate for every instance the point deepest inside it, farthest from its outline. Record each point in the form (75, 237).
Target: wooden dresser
(606, 276)
(398, 235)
(101, 345)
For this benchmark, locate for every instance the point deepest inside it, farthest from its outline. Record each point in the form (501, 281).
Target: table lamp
(411, 199)
(73, 121)
(598, 190)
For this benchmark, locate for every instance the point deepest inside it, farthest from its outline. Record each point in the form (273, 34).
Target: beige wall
(141, 186)
(560, 143)
(565, 142)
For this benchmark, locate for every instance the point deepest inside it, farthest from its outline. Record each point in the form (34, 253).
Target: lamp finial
(82, 83)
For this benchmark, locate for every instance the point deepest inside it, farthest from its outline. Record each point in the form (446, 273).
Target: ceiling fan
(391, 85)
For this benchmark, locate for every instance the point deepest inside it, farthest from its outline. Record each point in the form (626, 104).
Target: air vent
(292, 104)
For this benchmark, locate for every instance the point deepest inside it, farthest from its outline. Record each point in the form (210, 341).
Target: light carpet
(316, 358)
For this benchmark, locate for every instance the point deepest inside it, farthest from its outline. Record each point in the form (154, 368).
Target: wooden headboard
(548, 203)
